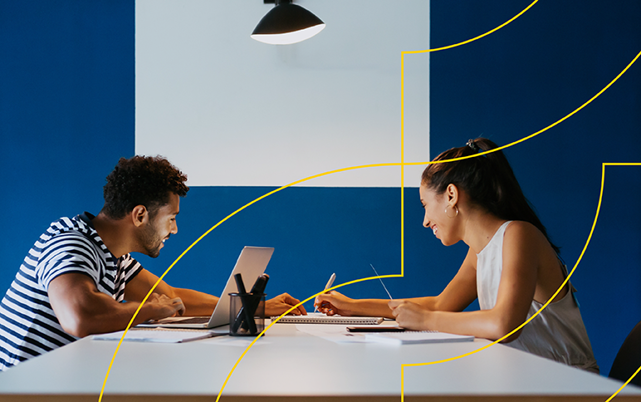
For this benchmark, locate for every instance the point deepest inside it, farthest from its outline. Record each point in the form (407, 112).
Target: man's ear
(139, 215)
(452, 194)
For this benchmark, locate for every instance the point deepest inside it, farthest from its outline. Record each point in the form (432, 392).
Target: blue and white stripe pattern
(28, 324)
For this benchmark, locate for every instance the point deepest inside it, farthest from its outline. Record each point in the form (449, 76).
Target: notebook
(251, 264)
(161, 335)
(320, 318)
(414, 337)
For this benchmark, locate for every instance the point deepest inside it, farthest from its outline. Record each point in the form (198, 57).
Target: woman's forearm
(372, 308)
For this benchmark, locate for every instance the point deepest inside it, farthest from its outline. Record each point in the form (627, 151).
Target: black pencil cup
(246, 314)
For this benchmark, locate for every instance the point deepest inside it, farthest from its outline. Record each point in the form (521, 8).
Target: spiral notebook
(320, 318)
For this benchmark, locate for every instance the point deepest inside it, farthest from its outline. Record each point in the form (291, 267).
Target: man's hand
(279, 304)
(162, 306)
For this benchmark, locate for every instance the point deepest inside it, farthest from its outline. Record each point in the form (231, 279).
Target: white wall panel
(230, 111)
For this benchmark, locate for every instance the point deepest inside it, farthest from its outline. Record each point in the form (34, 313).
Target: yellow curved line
(402, 221)
(220, 393)
(639, 369)
(528, 320)
(113, 358)
(476, 37)
(543, 129)
(402, 164)
(624, 385)
(596, 217)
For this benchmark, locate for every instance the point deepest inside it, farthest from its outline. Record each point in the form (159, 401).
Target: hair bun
(472, 144)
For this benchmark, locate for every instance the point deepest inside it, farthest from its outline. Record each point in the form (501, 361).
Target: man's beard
(150, 241)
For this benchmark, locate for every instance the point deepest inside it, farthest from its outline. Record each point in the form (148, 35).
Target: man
(72, 282)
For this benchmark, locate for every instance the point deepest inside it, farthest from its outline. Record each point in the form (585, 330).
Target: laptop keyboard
(194, 320)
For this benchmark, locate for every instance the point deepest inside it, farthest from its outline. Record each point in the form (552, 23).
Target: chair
(628, 359)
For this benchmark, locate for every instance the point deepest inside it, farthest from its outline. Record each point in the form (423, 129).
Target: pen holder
(246, 314)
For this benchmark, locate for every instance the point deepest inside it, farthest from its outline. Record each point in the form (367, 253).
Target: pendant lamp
(287, 23)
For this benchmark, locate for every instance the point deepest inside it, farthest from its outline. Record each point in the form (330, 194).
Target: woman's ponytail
(488, 180)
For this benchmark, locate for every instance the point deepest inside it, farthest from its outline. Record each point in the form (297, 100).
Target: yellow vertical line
(402, 160)
(602, 186)
(402, 382)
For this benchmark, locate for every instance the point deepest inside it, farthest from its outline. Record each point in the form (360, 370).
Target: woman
(512, 267)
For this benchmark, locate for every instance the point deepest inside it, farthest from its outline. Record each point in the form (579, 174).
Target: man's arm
(196, 303)
(83, 310)
(199, 303)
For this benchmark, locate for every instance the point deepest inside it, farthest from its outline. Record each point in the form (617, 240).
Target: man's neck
(115, 233)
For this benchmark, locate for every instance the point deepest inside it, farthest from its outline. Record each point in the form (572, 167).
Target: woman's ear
(452, 194)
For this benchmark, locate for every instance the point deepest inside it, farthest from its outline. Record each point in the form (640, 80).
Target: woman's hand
(333, 302)
(409, 314)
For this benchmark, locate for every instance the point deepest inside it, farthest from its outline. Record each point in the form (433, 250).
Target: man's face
(158, 229)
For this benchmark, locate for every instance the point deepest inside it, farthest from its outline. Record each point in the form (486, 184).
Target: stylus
(379, 278)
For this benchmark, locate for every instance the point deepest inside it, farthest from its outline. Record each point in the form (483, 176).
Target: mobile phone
(376, 328)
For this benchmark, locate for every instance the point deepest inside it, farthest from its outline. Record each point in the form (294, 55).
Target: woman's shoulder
(524, 231)
(525, 242)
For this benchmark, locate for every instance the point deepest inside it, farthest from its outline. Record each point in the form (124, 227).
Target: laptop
(251, 264)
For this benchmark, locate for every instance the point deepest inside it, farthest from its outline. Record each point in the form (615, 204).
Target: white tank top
(558, 333)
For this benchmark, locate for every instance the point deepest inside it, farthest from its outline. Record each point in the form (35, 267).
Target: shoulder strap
(573, 290)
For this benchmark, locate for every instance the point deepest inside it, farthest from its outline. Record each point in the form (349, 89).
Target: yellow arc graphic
(402, 216)
(402, 220)
(104, 383)
(596, 217)
(332, 172)
(474, 38)
(401, 164)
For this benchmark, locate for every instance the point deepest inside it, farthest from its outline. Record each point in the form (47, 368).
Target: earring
(455, 214)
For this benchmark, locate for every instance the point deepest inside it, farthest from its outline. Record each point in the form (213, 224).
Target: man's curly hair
(141, 180)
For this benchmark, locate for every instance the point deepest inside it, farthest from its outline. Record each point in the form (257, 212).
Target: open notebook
(320, 318)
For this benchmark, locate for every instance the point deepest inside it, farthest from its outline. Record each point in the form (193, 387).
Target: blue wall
(66, 111)
(67, 115)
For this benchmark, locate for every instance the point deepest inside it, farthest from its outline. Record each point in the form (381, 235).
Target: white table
(290, 365)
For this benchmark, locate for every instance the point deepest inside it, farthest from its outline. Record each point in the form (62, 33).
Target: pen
(240, 284)
(244, 299)
(255, 293)
(379, 278)
(329, 284)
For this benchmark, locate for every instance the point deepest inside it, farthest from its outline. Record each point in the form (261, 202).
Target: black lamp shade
(287, 23)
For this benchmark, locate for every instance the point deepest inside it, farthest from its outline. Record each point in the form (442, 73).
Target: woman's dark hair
(141, 180)
(488, 180)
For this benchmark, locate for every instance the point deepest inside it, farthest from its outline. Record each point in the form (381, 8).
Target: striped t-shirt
(28, 325)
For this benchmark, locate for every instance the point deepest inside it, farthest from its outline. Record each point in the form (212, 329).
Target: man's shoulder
(129, 264)
(77, 223)
(68, 232)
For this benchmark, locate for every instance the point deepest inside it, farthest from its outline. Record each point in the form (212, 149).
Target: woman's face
(435, 206)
